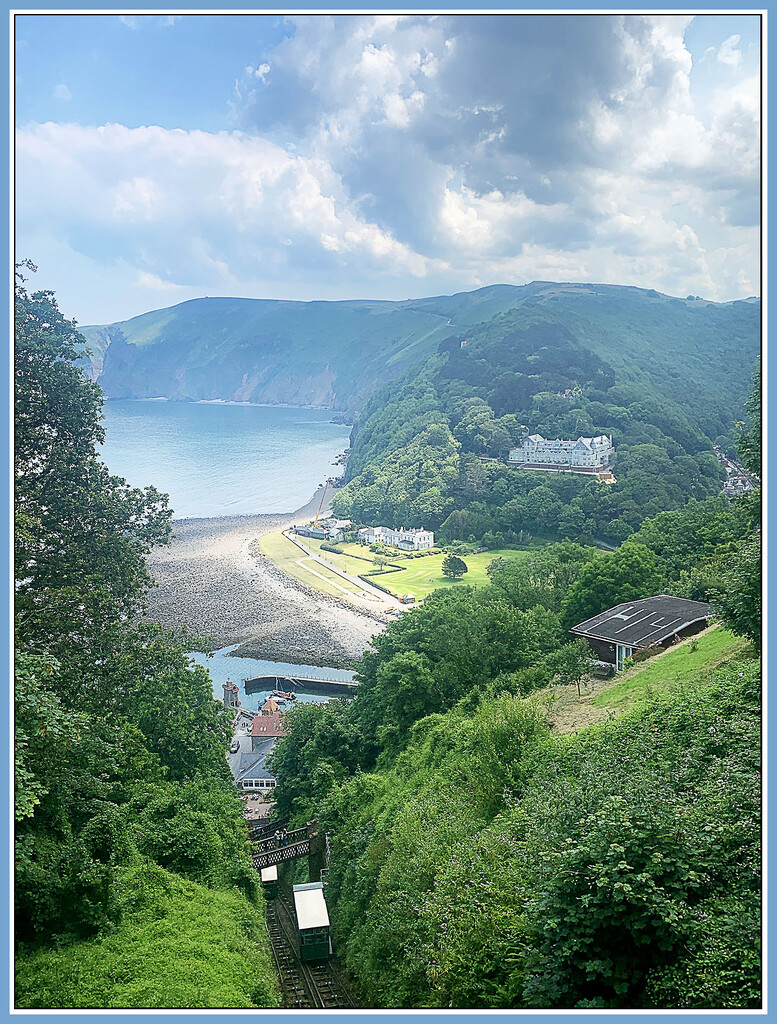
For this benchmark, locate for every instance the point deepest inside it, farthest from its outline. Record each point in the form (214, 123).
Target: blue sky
(164, 157)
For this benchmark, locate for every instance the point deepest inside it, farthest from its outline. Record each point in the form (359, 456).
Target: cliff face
(336, 354)
(327, 354)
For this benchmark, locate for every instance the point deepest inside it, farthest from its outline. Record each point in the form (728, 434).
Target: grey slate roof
(642, 623)
(253, 766)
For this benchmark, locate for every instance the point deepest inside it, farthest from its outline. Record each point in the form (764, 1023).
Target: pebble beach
(213, 580)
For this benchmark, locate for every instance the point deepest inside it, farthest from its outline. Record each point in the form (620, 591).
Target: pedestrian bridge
(269, 851)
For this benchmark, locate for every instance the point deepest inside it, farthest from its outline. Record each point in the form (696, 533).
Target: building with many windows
(405, 540)
(586, 454)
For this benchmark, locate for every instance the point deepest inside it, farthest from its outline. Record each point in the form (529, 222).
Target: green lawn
(423, 575)
(296, 563)
(677, 667)
(419, 576)
(356, 559)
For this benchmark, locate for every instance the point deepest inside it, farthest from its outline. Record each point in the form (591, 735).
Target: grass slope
(678, 667)
(672, 670)
(179, 945)
(418, 576)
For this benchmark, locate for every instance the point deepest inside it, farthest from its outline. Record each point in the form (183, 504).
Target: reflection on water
(222, 668)
(222, 460)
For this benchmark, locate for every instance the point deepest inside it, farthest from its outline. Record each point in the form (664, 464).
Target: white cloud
(61, 92)
(390, 155)
(729, 52)
(135, 21)
(188, 206)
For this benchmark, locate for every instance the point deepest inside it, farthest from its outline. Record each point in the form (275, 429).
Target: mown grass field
(418, 576)
(287, 556)
(423, 575)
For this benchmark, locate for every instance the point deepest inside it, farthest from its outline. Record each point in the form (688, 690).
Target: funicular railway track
(305, 986)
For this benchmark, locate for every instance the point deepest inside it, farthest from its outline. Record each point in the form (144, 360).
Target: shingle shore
(213, 580)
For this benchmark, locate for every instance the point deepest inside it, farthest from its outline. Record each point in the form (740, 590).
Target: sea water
(222, 668)
(218, 459)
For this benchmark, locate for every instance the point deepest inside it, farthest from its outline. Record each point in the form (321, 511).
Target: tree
(749, 439)
(632, 572)
(543, 577)
(110, 714)
(737, 594)
(454, 567)
(571, 663)
(81, 534)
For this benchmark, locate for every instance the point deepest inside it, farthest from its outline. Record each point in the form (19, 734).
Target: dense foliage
(490, 865)
(119, 745)
(420, 451)
(178, 945)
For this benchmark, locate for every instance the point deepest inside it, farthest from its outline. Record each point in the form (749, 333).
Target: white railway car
(312, 921)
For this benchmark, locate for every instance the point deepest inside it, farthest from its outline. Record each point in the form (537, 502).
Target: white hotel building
(405, 540)
(587, 453)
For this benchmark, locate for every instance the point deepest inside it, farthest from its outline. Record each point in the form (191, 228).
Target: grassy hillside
(686, 665)
(178, 946)
(327, 354)
(336, 354)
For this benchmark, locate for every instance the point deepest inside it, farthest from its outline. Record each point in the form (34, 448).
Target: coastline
(213, 580)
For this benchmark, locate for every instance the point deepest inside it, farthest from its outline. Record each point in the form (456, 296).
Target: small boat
(282, 695)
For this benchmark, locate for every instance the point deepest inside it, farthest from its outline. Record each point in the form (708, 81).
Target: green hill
(336, 354)
(178, 945)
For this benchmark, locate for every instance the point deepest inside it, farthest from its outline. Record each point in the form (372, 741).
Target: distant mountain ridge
(337, 354)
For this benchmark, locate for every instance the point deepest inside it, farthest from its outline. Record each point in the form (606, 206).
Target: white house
(585, 453)
(405, 540)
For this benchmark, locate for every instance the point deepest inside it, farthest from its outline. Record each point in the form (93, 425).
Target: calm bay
(217, 459)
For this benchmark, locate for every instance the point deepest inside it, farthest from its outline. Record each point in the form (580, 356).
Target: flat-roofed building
(614, 635)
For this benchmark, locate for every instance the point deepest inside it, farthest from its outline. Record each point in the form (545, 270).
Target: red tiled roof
(268, 725)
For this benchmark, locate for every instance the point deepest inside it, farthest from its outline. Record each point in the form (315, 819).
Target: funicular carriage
(312, 921)
(269, 877)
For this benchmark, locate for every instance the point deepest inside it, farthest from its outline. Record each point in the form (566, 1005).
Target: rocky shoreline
(213, 580)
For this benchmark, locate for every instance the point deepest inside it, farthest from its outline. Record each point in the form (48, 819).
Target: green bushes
(492, 865)
(119, 745)
(178, 946)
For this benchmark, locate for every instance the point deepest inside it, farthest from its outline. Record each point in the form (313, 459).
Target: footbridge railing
(280, 853)
(300, 842)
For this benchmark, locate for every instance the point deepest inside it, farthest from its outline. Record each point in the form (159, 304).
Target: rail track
(305, 986)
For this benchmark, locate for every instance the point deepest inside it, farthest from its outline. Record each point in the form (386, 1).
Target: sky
(164, 157)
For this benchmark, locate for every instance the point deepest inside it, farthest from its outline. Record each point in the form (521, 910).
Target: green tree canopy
(749, 439)
(454, 567)
(81, 533)
(632, 572)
